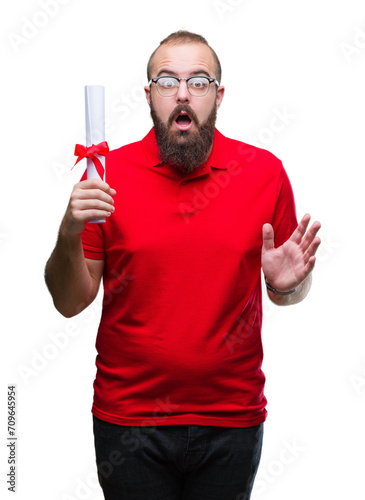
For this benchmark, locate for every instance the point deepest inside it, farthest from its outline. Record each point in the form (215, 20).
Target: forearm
(67, 276)
(295, 297)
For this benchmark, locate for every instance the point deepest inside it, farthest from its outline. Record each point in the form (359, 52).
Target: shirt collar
(217, 158)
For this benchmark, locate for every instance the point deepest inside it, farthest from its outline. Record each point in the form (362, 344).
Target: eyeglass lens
(197, 86)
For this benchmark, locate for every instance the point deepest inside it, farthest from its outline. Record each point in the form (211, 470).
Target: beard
(184, 150)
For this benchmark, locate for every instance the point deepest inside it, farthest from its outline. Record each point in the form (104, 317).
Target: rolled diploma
(95, 127)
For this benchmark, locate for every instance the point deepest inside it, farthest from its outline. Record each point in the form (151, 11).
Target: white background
(303, 59)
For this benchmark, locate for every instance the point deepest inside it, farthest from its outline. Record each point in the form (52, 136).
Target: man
(192, 217)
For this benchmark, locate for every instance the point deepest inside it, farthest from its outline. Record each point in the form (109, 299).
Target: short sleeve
(93, 241)
(285, 219)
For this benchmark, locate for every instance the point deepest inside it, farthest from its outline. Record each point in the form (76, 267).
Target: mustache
(179, 109)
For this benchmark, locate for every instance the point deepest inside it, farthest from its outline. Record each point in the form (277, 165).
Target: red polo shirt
(179, 340)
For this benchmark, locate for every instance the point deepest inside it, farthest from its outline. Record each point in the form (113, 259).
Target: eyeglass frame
(209, 78)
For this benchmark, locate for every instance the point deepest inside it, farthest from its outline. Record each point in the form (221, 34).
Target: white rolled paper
(95, 127)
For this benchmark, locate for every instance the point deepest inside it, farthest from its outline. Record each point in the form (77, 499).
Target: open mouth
(183, 121)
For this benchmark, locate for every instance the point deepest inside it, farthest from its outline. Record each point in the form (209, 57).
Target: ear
(147, 91)
(219, 96)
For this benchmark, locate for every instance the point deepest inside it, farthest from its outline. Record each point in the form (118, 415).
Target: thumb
(267, 237)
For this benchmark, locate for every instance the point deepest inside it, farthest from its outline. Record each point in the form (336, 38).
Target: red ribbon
(89, 152)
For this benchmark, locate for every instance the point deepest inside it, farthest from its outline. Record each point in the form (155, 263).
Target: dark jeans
(176, 462)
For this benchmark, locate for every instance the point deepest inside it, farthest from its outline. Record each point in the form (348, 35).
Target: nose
(183, 94)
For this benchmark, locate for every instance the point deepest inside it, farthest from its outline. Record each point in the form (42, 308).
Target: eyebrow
(173, 73)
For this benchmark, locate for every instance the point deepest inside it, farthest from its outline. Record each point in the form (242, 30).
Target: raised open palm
(287, 266)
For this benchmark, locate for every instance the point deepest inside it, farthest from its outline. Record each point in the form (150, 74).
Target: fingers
(312, 249)
(267, 237)
(310, 265)
(303, 238)
(93, 194)
(90, 186)
(90, 199)
(309, 241)
(301, 229)
(84, 209)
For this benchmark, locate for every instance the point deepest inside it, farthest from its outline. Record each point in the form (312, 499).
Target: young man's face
(184, 60)
(189, 142)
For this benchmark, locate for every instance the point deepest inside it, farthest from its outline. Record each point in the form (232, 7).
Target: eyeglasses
(198, 86)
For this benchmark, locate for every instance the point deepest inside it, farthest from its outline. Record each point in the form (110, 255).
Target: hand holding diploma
(96, 146)
(90, 199)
